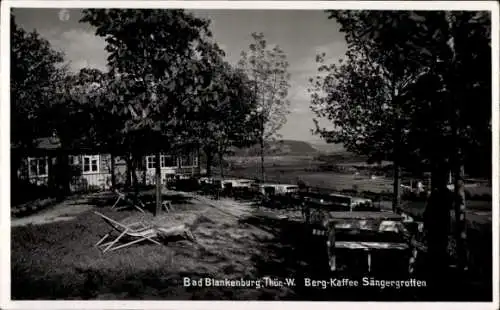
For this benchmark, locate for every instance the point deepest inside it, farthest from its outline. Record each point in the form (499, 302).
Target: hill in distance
(328, 148)
(280, 148)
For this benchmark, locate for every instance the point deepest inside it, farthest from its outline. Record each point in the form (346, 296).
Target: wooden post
(460, 220)
(221, 165)
(113, 168)
(158, 183)
(396, 187)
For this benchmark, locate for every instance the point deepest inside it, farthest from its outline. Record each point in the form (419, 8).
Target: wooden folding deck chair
(122, 196)
(137, 231)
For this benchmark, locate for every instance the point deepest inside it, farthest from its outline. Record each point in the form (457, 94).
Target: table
(278, 189)
(366, 232)
(235, 183)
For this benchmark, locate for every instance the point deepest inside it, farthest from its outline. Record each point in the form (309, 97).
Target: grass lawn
(59, 260)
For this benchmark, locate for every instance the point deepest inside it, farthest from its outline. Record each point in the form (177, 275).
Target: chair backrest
(115, 224)
(368, 230)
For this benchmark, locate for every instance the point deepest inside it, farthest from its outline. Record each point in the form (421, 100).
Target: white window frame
(91, 158)
(37, 159)
(150, 162)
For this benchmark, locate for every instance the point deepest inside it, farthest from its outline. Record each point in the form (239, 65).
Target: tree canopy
(151, 55)
(267, 69)
(396, 65)
(35, 66)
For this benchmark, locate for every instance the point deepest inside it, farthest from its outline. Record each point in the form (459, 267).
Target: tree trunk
(135, 182)
(198, 160)
(158, 183)
(51, 177)
(113, 168)
(437, 223)
(63, 173)
(263, 173)
(396, 198)
(460, 221)
(15, 164)
(209, 163)
(221, 164)
(128, 173)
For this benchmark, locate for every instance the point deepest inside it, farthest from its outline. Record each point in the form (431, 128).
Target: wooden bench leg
(332, 259)
(413, 259)
(333, 263)
(369, 260)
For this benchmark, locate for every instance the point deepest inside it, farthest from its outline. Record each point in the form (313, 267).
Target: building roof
(47, 143)
(44, 143)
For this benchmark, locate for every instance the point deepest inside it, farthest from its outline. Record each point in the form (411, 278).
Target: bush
(24, 191)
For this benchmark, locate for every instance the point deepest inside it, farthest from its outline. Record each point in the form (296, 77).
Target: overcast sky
(301, 34)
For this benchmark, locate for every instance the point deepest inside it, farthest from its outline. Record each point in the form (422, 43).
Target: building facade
(93, 171)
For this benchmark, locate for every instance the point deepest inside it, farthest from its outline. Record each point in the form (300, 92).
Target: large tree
(35, 70)
(461, 72)
(234, 117)
(35, 65)
(153, 51)
(367, 94)
(437, 124)
(267, 68)
(227, 116)
(469, 80)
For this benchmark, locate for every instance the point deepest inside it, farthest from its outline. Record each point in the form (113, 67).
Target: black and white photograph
(234, 153)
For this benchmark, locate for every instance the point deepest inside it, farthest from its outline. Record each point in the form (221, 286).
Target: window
(165, 161)
(38, 167)
(150, 162)
(90, 163)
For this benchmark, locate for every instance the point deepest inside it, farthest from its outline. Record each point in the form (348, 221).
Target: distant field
(291, 169)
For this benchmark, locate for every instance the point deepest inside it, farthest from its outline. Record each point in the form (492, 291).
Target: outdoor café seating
(377, 236)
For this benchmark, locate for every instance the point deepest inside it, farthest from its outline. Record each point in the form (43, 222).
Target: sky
(301, 34)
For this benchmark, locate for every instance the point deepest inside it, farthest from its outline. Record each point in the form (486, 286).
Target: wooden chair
(138, 204)
(135, 232)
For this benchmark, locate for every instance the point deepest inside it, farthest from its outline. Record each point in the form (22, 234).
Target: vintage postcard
(205, 154)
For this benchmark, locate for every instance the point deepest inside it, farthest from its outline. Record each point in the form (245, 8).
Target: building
(92, 170)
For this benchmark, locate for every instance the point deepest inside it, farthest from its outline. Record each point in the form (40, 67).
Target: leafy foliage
(228, 115)
(267, 69)
(35, 65)
(151, 59)
(396, 76)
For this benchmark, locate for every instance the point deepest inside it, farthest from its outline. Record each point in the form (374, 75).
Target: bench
(367, 234)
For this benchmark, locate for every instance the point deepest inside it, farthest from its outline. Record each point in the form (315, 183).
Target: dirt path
(64, 211)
